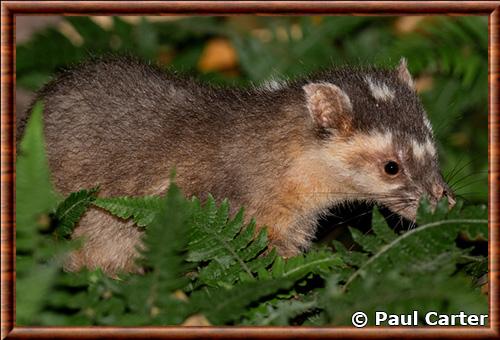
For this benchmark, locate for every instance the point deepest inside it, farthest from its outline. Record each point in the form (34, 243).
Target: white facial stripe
(379, 91)
(343, 151)
(379, 140)
(418, 150)
(421, 150)
(428, 124)
(376, 141)
(429, 147)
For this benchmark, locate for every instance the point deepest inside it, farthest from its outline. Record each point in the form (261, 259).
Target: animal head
(376, 137)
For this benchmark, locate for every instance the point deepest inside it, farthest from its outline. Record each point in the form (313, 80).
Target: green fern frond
(279, 312)
(35, 199)
(397, 293)
(142, 210)
(416, 270)
(223, 306)
(421, 249)
(288, 305)
(167, 236)
(232, 250)
(165, 246)
(68, 212)
(320, 261)
(225, 271)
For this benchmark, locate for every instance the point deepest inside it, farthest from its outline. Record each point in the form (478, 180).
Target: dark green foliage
(280, 312)
(34, 200)
(413, 271)
(422, 250)
(149, 297)
(33, 178)
(225, 306)
(397, 293)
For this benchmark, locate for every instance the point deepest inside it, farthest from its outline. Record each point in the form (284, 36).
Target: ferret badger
(287, 152)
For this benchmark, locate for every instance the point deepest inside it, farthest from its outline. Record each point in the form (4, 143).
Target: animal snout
(442, 190)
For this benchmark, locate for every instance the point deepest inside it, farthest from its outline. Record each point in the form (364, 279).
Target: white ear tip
(404, 73)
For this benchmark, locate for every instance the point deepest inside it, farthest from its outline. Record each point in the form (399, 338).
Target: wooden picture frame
(12, 8)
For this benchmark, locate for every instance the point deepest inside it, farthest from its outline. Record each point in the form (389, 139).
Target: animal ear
(403, 73)
(329, 106)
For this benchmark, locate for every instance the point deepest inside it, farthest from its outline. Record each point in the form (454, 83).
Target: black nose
(451, 198)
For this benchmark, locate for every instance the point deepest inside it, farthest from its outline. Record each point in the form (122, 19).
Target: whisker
(347, 193)
(448, 177)
(469, 183)
(412, 225)
(478, 173)
(470, 193)
(400, 222)
(353, 217)
(456, 170)
(354, 196)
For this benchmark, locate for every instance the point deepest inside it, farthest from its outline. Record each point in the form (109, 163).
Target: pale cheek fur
(341, 168)
(364, 172)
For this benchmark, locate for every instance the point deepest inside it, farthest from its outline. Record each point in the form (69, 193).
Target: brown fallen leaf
(407, 24)
(154, 311)
(317, 20)
(424, 83)
(43, 221)
(485, 289)
(218, 55)
(196, 320)
(71, 33)
(180, 295)
(484, 283)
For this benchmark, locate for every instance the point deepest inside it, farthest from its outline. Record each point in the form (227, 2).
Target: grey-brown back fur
(132, 123)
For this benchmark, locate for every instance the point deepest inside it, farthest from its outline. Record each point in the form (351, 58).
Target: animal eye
(391, 168)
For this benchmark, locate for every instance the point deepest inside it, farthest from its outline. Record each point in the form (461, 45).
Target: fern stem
(405, 235)
(307, 264)
(73, 206)
(472, 258)
(240, 260)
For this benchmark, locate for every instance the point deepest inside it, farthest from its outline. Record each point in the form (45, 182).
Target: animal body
(286, 152)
